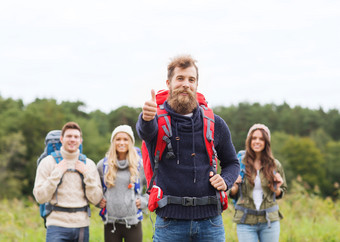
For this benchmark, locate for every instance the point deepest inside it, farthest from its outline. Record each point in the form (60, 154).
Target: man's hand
(62, 165)
(217, 182)
(80, 167)
(150, 108)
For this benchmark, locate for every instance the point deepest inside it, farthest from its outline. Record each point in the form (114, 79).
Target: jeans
(258, 232)
(171, 230)
(61, 234)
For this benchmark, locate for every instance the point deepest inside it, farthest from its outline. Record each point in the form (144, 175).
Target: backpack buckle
(189, 201)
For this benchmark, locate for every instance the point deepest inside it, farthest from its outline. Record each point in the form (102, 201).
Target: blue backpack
(137, 186)
(52, 147)
(52, 143)
(240, 156)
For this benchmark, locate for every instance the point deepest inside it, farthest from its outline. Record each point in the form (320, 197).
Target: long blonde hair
(132, 157)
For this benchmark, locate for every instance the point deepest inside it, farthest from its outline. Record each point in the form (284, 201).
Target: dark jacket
(188, 175)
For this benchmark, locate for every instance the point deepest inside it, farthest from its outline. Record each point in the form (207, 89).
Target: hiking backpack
(240, 156)
(136, 186)
(52, 147)
(163, 141)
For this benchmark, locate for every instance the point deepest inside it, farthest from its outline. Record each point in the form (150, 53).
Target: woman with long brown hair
(256, 190)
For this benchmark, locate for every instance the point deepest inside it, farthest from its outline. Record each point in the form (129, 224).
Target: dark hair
(183, 61)
(70, 125)
(267, 160)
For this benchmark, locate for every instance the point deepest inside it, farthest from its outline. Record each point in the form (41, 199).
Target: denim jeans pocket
(162, 223)
(216, 221)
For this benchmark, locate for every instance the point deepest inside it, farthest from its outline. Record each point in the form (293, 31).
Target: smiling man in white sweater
(68, 187)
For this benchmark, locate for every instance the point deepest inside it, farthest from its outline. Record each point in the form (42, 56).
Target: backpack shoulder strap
(137, 182)
(208, 132)
(57, 156)
(82, 158)
(140, 164)
(105, 168)
(240, 156)
(105, 165)
(163, 138)
(148, 171)
(164, 127)
(242, 170)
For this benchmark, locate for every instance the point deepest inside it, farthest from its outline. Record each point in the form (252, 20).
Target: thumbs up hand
(150, 108)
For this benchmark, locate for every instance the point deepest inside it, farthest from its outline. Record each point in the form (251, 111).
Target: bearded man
(186, 178)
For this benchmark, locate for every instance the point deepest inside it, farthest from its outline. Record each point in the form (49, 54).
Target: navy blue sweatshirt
(187, 175)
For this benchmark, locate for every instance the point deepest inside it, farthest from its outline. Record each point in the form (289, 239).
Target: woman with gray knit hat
(123, 201)
(260, 183)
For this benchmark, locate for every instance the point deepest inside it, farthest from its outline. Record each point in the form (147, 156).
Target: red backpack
(163, 140)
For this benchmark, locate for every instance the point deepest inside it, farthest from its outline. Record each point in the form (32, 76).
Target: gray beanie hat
(259, 126)
(123, 128)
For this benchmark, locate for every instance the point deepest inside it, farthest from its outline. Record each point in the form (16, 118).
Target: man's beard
(182, 104)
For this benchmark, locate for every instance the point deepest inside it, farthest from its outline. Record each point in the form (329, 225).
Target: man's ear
(168, 84)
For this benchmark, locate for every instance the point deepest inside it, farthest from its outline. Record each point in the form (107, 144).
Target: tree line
(306, 141)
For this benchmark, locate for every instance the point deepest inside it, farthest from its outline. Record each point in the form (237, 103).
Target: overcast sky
(112, 53)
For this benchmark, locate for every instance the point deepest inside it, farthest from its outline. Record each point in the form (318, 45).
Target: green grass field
(306, 218)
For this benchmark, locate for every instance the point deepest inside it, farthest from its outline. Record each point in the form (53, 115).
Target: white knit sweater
(70, 191)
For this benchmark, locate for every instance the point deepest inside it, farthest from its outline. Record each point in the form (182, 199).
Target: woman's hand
(138, 203)
(238, 180)
(279, 181)
(234, 188)
(102, 203)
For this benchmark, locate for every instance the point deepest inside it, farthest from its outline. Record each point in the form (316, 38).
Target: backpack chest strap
(188, 201)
